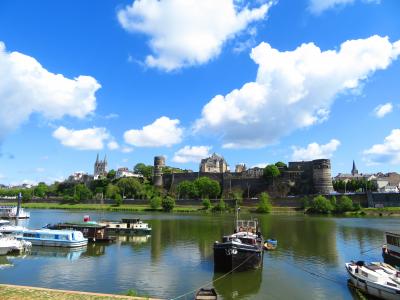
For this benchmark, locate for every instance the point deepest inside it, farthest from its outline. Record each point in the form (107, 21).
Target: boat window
(365, 274)
(391, 284)
(26, 234)
(393, 240)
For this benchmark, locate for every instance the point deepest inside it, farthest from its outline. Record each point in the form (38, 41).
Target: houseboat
(91, 230)
(9, 244)
(391, 250)
(52, 238)
(242, 250)
(11, 212)
(127, 227)
(376, 279)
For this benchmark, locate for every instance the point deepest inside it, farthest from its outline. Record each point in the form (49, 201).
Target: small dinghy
(206, 294)
(376, 279)
(270, 244)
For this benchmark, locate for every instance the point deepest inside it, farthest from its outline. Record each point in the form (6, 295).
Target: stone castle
(304, 177)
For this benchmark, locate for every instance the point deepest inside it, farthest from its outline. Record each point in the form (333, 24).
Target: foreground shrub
(221, 206)
(264, 206)
(155, 202)
(118, 200)
(344, 204)
(168, 203)
(320, 205)
(206, 203)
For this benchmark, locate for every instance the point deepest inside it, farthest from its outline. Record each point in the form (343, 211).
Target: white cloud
(260, 165)
(382, 110)
(293, 89)
(112, 145)
(126, 149)
(318, 6)
(188, 32)
(162, 132)
(27, 88)
(191, 154)
(315, 151)
(388, 152)
(85, 139)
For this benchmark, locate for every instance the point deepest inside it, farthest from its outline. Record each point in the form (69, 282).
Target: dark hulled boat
(240, 251)
(391, 250)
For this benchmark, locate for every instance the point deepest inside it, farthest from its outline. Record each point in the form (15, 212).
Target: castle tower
(159, 163)
(322, 177)
(354, 170)
(100, 167)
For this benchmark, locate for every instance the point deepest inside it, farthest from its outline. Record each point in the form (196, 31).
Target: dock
(19, 292)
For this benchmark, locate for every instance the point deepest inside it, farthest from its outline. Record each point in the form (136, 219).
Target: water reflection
(68, 253)
(238, 285)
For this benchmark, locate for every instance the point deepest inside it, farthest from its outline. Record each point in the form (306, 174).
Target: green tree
(26, 194)
(333, 201)
(111, 174)
(320, 205)
(206, 203)
(237, 196)
(82, 192)
(271, 172)
(344, 204)
(207, 187)
(221, 206)
(280, 164)
(112, 191)
(145, 170)
(41, 190)
(187, 189)
(168, 203)
(264, 205)
(131, 187)
(155, 202)
(118, 199)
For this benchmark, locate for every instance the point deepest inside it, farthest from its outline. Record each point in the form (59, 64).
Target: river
(178, 257)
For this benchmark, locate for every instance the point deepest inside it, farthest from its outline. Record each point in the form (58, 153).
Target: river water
(178, 257)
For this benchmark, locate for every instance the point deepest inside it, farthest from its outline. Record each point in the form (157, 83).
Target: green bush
(345, 204)
(118, 199)
(155, 202)
(333, 201)
(221, 206)
(168, 203)
(206, 203)
(264, 206)
(356, 207)
(320, 205)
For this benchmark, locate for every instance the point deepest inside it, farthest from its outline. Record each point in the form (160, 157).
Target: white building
(124, 172)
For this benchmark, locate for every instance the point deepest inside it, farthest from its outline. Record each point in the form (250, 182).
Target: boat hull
(391, 257)
(229, 257)
(55, 243)
(128, 231)
(372, 288)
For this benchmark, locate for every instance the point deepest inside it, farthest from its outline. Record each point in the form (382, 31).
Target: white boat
(11, 212)
(12, 245)
(127, 226)
(376, 279)
(391, 250)
(52, 238)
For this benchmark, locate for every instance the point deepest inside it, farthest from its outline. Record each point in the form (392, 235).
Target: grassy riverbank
(14, 292)
(136, 207)
(381, 212)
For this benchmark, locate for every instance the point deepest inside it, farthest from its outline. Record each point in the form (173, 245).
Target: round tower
(159, 163)
(322, 177)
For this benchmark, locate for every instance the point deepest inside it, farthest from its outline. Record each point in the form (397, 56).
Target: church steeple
(97, 159)
(354, 170)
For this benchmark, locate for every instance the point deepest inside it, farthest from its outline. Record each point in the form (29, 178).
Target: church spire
(97, 159)
(354, 170)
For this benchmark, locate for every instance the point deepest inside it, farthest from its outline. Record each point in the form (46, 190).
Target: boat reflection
(68, 253)
(238, 284)
(132, 239)
(4, 262)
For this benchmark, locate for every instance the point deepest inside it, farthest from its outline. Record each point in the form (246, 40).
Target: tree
(207, 187)
(145, 170)
(270, 172)
(320, 205)
(264, 205)
(82, 192)
(168, 203)
(221, 206)
(280, 164)
(206, 203)
(187, 189)
(155, 202)
(237, 195)
(130, 187)
(41, 190)
(118, 199)
(111, 174)
(345, 204)
(112, 191)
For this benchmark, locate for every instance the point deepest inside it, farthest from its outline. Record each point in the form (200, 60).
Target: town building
(124, 172)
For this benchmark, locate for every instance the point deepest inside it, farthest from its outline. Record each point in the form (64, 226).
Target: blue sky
(256, 81)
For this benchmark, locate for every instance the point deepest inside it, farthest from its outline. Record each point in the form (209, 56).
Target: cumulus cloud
(293, 89)
(191, 154)
(26, 88)
(162, 132)
(112, 145)
(319, 6)
(315, 151)
(126, 149)
(85, 139)
(189, 32)
(387, 152)
(382, 110)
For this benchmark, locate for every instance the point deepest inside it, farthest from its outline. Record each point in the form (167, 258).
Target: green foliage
(155, 202)
(41, 190)
(132, 293)
(111, 174)
(354, 185)
(207, 188)
(305, 202)
(345, 204)
(321, 205)
(221, 206)
(112, 191)
(356, 206)
(333, 201)
(168, 203)
(26, 195)
(271, 171)
(280, 164)
(264, 205)
(118, 199)
(206, 203)
(237, 195)
(187, 189)
(145, 170)
(131, 188)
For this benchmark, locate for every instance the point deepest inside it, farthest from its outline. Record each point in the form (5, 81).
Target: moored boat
(206, 294)
(9, 244)
(12, 212)
(270, 244)
(127, 227)
(241, 250)
(91, 230)
(376, 279)
(391, 250)
(52, 238)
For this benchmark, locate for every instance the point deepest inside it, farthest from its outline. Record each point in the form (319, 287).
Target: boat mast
(19, 205)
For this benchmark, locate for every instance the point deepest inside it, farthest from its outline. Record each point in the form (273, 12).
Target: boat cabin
(92, 231)
(61, 235)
